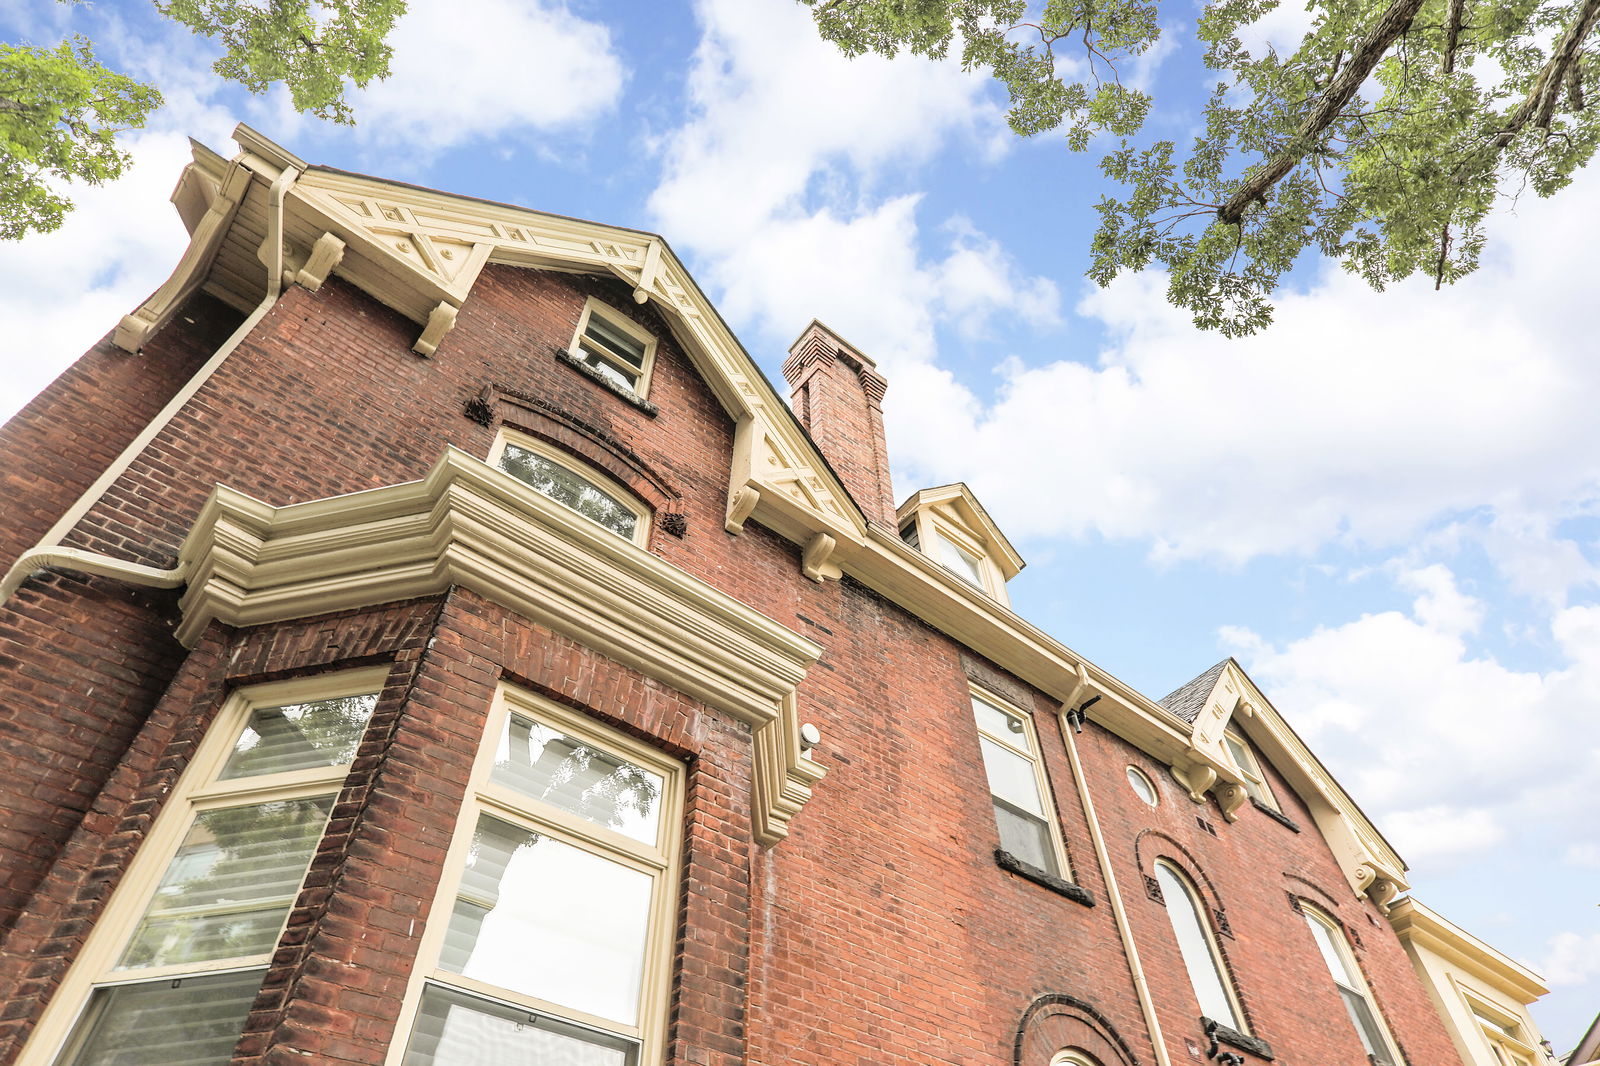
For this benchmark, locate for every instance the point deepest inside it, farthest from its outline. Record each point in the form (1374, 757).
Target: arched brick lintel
(1056, 1022)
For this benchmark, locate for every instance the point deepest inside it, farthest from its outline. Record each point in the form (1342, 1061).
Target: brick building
(429, 639)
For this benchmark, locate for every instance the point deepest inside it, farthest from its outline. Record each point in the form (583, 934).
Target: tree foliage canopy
(61, 110)
(1382, 141)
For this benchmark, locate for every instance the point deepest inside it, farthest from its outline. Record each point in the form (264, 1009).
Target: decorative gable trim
(1369, 863)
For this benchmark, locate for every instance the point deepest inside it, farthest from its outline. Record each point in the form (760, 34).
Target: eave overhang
(1423, 927)
(419, 252)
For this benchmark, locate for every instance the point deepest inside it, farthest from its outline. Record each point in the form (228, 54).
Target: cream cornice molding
(396, 238)
(1420, 925)
(469, 524)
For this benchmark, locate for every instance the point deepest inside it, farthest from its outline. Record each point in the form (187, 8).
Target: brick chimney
(838, 396)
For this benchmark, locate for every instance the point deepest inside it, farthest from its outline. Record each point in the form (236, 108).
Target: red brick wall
(882, 931)
(55, 447)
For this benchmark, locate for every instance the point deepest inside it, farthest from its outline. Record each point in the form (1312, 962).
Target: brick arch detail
(1209, 897)
(1190, 864)
(1318, 895)
(540, 419)
(1058, 1022)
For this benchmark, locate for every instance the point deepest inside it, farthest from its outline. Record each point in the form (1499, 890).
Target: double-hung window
(551, 937)
(1352, 989)
(584, 491)
(168, 977)
(611, 345)
(1255, 781)
(1017, 785)
(1198, 947)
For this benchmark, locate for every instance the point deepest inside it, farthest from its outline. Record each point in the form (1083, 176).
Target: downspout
(49, 552)
(1141, 987)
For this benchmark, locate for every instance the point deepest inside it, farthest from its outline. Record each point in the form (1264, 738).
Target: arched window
(570, 483)
(1352, 989)
(1198, 947)
(1073, 1057)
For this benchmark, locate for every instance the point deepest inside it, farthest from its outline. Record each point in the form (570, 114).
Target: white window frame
(199, 789)
(661, 861)
(1031, 753)
(1503, 1030)
(1244, 760)
(571, 463)
(1136, 777)
(622, 324)
(1352, 981)
(1202, 917)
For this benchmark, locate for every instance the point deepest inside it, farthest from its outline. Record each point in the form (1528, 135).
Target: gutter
(1141, 986)
(49, 553)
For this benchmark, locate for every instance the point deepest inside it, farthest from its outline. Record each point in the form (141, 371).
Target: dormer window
(968, 567)
(571, 484)
(1255, 782)
(951, 528)
(614, 347)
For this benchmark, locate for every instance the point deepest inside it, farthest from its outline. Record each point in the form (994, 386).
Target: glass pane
(298, 736)
(546, 919)
(965, 566)
(192, 1022)
(1142, 786)
(593, 357)
(1205, 974)
(568, 489)
(1001, 724)
(547, 765)
(1011, 777)
(457, 1030)
(226, 892)
(1366, 1026)
(1330, 951)
(1026, 837)
(614, 341)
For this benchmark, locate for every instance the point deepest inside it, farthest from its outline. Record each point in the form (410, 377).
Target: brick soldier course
(876, 925)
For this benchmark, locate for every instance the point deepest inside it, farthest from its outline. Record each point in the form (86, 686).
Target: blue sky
(1387, 507)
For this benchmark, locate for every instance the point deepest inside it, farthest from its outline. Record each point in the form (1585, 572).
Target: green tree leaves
(1381, 142)
(60, 113)
(61, 110)
(312, 46)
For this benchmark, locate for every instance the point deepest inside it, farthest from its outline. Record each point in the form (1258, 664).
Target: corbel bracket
(1194, 774)
(325, 255)
(742, 501)
(440, 320)
(814, 561)
(1380, 889)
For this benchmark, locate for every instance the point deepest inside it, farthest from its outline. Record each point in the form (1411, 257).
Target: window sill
(1009, 862)
(621, 391)
(1233, 1038)
(1277, 816)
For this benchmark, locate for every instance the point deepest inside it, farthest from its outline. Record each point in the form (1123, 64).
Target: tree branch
(1366, 56)
(1452, 33)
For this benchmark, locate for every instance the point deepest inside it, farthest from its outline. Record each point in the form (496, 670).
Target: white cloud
(1358, 419)
(1573, 959)
(776, 112)
(1431, 833)
(511, 65)
(61, 292)
(790, 187)
(1585, 855)
(1447, 749)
